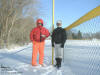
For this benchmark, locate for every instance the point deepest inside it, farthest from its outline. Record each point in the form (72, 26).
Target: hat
(39, 21)
(59, 21)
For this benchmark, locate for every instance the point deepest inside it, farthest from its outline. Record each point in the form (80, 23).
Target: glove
(52, 45)
(44, 36)
(62, 45)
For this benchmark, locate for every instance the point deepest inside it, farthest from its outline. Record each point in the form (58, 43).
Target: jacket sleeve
(31, 35)
(64, 38)
(52, 38)
(47, 33)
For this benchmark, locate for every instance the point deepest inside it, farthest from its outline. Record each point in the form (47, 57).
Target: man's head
(59, 23)
(39, 22)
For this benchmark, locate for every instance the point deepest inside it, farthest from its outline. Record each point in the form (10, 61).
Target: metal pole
(53, 2)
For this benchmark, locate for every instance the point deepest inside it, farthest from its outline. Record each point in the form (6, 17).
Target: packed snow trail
(81, 58)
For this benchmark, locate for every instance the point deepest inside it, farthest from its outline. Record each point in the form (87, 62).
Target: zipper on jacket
(40, 35)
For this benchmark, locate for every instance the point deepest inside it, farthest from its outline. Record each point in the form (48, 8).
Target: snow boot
(58, 62)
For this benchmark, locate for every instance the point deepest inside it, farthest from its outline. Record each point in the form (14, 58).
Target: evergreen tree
(79, 35)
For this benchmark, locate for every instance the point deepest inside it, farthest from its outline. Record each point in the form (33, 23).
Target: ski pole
(63, 54)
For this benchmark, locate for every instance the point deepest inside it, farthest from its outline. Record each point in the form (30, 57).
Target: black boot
(58, 62)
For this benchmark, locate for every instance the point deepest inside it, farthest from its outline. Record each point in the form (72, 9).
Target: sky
(68, 11)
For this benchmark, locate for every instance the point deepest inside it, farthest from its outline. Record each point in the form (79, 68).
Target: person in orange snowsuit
(38, 36)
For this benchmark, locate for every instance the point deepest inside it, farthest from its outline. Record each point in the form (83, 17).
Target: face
(59, 24)
(40, 24)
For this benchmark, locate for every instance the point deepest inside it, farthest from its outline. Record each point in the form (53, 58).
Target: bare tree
(10, 12)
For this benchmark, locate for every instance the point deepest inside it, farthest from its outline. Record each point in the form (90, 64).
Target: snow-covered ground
(80, 58)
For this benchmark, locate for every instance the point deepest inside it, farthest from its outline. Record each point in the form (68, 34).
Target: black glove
(52, 45)
(62, 45)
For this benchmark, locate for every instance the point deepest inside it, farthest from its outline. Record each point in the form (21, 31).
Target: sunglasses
(58, 23)
(40, 24)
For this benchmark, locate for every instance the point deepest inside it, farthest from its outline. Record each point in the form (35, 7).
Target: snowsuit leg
(35, 52)
(58, 55)
(41, 52)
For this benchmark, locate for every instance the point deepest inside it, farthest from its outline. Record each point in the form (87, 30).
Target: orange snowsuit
(38, 47)
(38, 43)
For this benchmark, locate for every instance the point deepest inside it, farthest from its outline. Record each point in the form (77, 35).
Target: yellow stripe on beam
(92, 14)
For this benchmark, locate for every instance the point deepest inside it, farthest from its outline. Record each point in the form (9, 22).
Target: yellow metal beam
(92, 14)
(53, 28)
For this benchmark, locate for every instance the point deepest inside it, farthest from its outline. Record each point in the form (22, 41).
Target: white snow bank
(79, 42)
(16, 48)
(48, 42)
(83, 42)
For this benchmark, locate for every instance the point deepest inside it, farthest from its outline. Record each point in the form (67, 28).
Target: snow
(83, 42)
(81, 57)
(16, 48)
